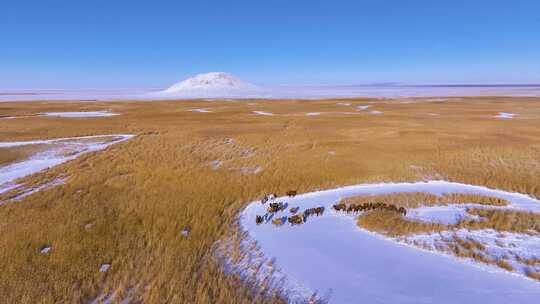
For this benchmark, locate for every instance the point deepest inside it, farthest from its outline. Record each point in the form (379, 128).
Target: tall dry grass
(15, 154)
(393, 224)
(128, 204)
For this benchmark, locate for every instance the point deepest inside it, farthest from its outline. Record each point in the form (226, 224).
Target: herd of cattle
(369, 207)
(299, 218)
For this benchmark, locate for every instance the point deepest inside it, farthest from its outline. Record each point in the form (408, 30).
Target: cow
(296, 220)
(275, 207)
(291, 193)
(259, 219)
(294, 210)
(317, 211)
(339, 207)
(279, 221)
(268, 197)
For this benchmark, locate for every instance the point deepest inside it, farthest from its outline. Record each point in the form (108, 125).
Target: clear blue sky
(117, 43)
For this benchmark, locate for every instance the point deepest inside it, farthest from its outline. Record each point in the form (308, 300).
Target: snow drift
(60, 151)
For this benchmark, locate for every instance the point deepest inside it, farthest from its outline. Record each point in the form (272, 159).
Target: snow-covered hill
(213, 85)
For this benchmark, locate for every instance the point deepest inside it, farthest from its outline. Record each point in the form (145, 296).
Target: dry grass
(533, 275)
(468, 248)
(504, 220)
(138, 195)
(532, 262)
(393, 224)
(15, 154)
(460, 198)
(505, 265)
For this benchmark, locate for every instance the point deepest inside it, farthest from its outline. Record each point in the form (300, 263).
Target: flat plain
(193, 171)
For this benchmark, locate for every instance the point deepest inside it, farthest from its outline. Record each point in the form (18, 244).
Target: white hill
(213, 85)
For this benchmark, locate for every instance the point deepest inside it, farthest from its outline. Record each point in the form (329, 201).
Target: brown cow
(279, 221)
(275, 207)
(296, 220)
(339, 207)
(316, 211)
(291, 193)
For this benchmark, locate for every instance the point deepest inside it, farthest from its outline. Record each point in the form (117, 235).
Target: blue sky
(105, 43)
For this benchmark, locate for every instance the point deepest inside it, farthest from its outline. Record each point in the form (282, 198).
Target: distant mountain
(213, 85)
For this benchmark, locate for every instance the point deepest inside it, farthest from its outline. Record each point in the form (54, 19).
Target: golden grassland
(127, 205)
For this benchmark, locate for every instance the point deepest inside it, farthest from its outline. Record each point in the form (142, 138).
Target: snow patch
(251, 170)
(13, 117)
(364, 107)
(215, 164)
(200, 110)
(104, 267)
(45, 249)
(447, 215)
(263, 113)
(80, 114)
(62, 150)
(506, 115)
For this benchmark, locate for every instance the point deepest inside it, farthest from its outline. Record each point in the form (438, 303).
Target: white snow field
(83, 114)
(506, 115)
(61, 150)
(330, 254)
(224, 86)
(213, 85)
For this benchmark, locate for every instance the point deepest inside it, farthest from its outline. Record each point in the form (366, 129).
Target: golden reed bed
(127, 205)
